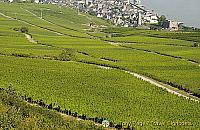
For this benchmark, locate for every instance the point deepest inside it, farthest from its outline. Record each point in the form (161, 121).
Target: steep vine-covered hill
(141, 79)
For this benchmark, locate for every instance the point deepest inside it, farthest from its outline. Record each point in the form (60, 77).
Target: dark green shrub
(196, 44)
(24, 29)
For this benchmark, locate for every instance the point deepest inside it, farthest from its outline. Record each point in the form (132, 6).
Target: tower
(139, 18)
(86, 2)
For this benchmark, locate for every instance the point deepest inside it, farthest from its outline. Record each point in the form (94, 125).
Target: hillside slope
(15, 113)
(79, 62)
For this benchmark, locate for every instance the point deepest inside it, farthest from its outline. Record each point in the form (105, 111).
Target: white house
(173, 25)
(37, 1)
(100, 15)
(150, 17)
(154, 19)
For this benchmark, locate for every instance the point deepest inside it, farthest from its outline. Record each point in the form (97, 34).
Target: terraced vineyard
(16, 112)
(65, 60)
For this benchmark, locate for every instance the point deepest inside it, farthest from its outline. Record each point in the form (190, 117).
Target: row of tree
(75, 114)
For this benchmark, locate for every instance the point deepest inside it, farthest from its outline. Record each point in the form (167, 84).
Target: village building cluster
(127, 13)
(124, 13)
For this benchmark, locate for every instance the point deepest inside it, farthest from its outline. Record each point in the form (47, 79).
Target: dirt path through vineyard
(166, 87)
(142, 77)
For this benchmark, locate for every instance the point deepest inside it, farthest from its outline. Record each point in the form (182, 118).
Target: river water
(186, 11)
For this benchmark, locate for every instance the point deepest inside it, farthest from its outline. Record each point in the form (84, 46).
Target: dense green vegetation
(66, 66)
(95, 92)
(188, 36)
(15, 113)
(191, 53)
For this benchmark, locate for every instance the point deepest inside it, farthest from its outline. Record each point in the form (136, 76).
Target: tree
(24, 29)
(161, 20)
(50, 106)
(67, 54)
(196, 44)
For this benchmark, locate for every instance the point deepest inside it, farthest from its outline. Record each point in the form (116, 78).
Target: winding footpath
(163, 86)
(6, 16)
(54, 24)
(72, 118)
(30, 39)
(166, 87)
(121, 44)
(37, 16)
(139, 76)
